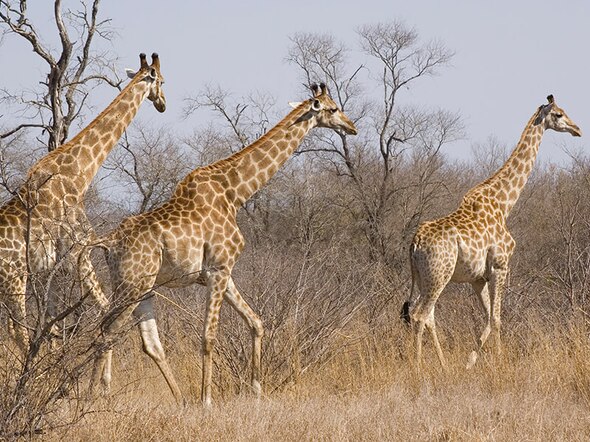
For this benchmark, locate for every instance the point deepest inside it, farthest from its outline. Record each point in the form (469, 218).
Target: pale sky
(509, 55)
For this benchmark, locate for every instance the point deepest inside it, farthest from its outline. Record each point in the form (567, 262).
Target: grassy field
(538, 389)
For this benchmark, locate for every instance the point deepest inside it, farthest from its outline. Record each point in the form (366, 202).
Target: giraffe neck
(251, 168)
(80, 158)
(509, 181)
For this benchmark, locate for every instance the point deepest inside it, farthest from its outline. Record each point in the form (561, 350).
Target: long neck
(507, 183)
(251, 168)
(80, 158)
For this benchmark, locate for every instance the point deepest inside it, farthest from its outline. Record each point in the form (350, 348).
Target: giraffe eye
(333, 111)
(558, 115)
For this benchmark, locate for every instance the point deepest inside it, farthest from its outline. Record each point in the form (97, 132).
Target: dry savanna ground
(538, 389)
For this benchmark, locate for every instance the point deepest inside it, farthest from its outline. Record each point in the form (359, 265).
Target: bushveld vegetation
(326, 269)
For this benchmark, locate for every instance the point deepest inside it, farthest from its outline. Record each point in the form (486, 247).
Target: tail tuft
(404, 314)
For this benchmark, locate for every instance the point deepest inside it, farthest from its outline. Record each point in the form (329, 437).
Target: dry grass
(538, 389)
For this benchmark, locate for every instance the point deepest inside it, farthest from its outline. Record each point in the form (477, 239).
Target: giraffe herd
(194, 237)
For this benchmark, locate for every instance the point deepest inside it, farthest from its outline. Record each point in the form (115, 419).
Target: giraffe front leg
(218, 282)
(15, 300)
(241, 306)
(91, 286)
(497, 282)
(497, 287)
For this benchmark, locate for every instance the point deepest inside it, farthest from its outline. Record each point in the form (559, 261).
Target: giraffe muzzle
(160, 105)
(576, 131)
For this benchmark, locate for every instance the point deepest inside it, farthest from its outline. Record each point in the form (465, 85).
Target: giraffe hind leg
(481, 289)
(423, 317)
(152, 345)
(431, 326)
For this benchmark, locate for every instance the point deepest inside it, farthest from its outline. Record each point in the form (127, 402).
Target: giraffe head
(554, 117)
(151, 74)
(325, 111)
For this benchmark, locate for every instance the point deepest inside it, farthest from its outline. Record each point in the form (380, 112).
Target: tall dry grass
(537, 389)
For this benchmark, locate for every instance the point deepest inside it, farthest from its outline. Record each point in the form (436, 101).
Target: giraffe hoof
(472, 360)
(257, 389)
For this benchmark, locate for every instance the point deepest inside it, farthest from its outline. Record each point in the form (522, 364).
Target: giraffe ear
(295, 104)
(130, 72)
(544, 109)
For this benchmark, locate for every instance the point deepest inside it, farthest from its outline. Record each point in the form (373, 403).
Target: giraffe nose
(349, 128)
(160, 105)
(576, 131)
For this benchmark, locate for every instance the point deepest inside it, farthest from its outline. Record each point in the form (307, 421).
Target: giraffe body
(472, 244)
(46, 220)
(194, 238)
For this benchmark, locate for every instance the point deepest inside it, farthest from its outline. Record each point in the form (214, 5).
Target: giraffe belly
(180, 279)
(177, 271)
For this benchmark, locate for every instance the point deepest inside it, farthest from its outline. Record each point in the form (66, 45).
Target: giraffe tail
(409, 303)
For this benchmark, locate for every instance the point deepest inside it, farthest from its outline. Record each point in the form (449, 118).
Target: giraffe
(46, 217)
(473, 244)
(194, 239)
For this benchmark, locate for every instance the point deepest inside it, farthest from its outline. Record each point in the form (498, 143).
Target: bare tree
(15, 159)
(73, 70)
(488, 157)
(246, 119)
(374, 163)
(149, 166)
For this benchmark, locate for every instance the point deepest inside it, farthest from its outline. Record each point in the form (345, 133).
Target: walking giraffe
(46, 218)
(194, 239)
(473, 243)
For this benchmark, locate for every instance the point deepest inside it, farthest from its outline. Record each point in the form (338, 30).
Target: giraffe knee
(257, 328)
(106, 379)
(208, 344)
(497, 323)
(154, 351)
(416, 317)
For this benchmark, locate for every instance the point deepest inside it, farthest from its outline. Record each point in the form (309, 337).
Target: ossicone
(315, 89)
(155, 60)
(142, 61)
(318, 89)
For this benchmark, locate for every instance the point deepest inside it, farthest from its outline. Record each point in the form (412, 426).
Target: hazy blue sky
(509, 54)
